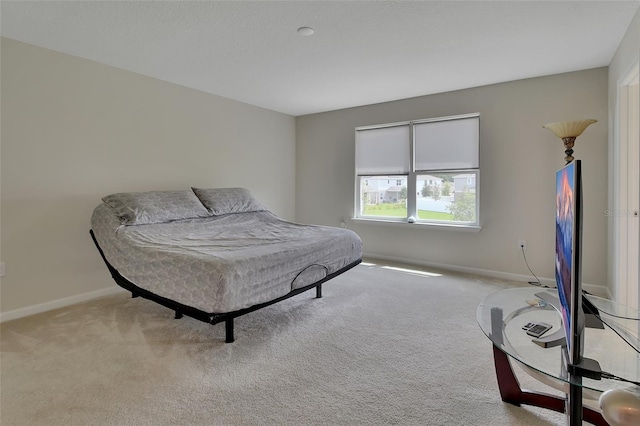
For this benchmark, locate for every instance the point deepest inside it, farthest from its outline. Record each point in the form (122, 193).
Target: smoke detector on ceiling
(305, 31)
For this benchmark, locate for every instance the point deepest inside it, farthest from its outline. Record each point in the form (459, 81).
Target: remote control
(538, 329)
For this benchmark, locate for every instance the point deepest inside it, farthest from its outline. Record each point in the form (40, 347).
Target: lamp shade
(569, 129)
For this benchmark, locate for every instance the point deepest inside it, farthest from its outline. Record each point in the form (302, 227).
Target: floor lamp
(568, 131)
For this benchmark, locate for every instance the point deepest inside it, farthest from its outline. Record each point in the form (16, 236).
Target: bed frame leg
(228, 327)
(319, 292)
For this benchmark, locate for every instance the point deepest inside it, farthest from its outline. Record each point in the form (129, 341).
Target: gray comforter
(223, 263)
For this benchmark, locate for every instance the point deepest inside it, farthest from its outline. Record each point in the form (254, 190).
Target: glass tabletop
(503, 314)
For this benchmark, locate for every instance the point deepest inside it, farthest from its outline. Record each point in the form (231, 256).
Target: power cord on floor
(537, 282)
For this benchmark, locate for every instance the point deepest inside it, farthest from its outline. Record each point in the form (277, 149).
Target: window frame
(412, 179)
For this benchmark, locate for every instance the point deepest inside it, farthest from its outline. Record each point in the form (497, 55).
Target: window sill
(422, 225)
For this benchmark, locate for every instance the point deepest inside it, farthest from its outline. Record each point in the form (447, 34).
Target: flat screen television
(569, 282)
(568, 256)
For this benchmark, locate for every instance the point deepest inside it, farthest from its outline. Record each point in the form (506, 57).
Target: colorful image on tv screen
(565, 220)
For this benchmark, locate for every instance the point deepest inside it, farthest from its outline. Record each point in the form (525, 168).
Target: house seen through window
(423, 171)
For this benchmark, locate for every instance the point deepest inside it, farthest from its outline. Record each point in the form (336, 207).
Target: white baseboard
(597, 290)
(58, 303)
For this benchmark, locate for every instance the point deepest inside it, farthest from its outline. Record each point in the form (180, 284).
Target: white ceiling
(362, 52)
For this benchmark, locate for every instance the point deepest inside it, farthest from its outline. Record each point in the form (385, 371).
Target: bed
(215, 254)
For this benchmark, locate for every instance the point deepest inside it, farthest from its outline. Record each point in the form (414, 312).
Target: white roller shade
(447, 145)
(383, 150)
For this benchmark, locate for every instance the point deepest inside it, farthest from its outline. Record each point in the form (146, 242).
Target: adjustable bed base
(215, 254)
(211, 318)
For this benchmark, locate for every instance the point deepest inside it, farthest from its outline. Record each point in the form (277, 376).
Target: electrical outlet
(522, 244)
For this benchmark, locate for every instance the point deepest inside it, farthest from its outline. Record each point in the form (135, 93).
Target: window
(424, 171)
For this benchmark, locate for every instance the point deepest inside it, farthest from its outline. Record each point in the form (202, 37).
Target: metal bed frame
(210, 318)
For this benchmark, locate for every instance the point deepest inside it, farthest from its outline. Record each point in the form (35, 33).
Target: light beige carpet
(381, 347)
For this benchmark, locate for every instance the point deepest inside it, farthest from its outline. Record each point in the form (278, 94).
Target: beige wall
(518, 160)
(75, 130)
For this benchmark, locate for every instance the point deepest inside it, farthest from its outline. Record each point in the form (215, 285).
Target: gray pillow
(139, 208)
(228, 200)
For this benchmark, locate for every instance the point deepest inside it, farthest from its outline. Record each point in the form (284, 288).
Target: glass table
(615, 347)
